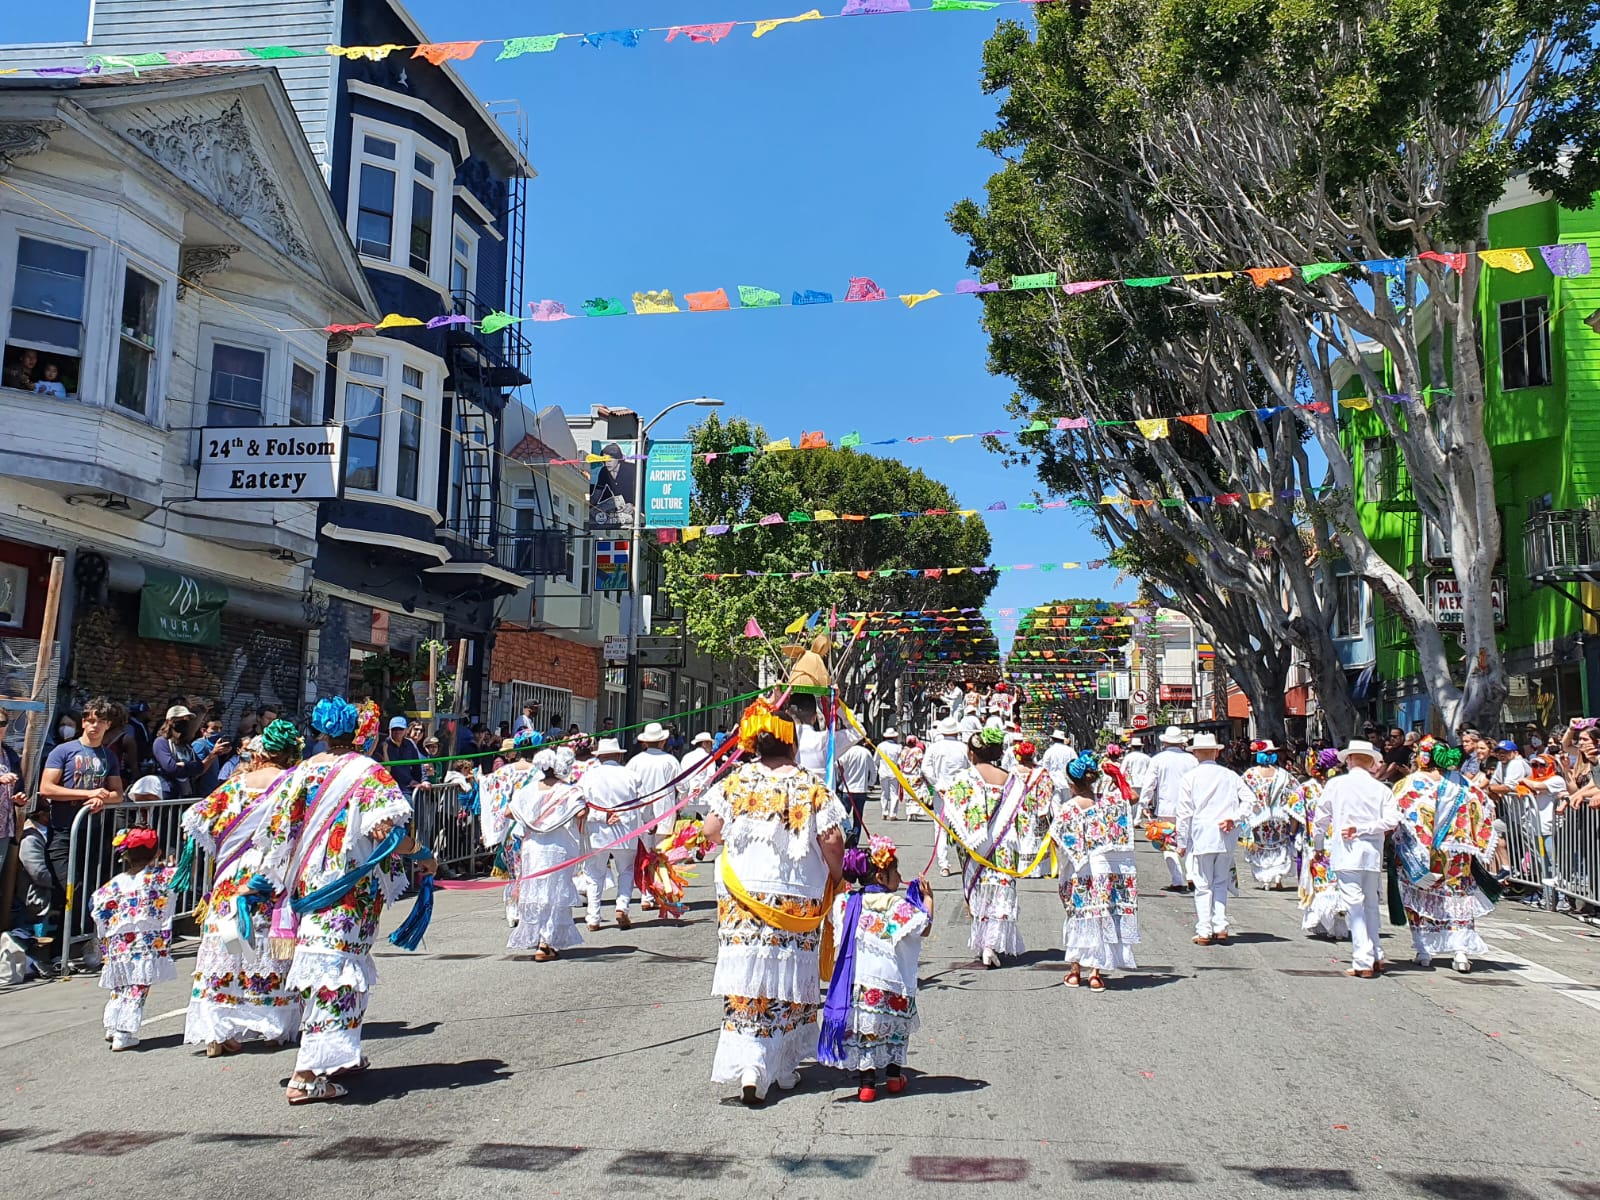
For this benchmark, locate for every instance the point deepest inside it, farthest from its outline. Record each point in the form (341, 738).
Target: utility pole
(632, 684)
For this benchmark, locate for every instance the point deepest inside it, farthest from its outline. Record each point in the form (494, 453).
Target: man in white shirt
(812, 736)
(1362, 811)
(696, 769)
(612, 792)
(1159, 794)
(530, 714)
(1212, 804)
(945, 759)
(656, 769)
(1058, 757)
(889, 790)
(1136, 769)
(856, 771)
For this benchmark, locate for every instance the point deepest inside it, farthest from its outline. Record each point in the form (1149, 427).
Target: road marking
(177, 1012)
(1563, 985)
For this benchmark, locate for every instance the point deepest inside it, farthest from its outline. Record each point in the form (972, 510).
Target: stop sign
(1141, 721)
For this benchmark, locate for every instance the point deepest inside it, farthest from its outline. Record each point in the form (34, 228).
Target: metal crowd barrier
(1573, 847)
(90, 862)
(441, 820)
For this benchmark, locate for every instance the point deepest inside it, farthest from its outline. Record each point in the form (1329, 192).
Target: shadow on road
(386, 1030)
(393, 1083)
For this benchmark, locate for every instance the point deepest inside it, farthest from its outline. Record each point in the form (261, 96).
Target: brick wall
(256, 663)
(540, 658)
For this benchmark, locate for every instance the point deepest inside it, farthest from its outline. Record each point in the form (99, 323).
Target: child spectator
(51, 384)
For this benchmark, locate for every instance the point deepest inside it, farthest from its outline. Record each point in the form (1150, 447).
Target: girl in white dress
(547, 817)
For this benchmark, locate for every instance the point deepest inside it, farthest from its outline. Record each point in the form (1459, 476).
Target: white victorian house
(169, 256)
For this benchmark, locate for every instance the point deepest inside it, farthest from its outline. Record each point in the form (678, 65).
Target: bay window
(388, 405)
(238, 376)
(136, 343)
(464, 270)
(45, 335)
(304, 406)
(399, 195)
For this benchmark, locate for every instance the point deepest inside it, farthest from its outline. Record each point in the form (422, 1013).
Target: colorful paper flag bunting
(756, 297)
(716, 301)
(765, 27)
(702, 33)
(518, 46)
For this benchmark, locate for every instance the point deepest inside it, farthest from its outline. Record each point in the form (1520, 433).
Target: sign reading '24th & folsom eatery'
(271, 462)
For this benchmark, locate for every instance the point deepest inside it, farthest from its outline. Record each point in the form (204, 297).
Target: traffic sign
(1140, 697)
(1141, 721)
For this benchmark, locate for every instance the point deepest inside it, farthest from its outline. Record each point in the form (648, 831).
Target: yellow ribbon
(912, 791)
(787, 922)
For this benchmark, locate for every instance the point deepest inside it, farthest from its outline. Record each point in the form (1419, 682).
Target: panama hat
(949, 727)
(1173, 736)
(654, 732)
(890, 732)
(1204, 741)
(702, 736)
(607, 746)
(1360, 748)
(1059, 735)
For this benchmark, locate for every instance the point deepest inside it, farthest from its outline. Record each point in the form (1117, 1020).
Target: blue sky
(821, 151)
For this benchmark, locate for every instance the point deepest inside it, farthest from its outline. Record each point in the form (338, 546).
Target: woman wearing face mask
(177, 761)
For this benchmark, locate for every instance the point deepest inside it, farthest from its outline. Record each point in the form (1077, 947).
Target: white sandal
(317, 1090)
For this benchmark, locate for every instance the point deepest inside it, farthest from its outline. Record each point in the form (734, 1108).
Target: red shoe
(867, 1094)
(896, 1084)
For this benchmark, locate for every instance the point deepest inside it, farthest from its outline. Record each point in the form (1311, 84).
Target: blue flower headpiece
(335, 716)
(1085, 766)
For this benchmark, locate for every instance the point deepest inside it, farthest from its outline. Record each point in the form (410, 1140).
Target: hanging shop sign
(668, 480)
(271, 462)
(1445, 599)
(181, 608)
(611, 566)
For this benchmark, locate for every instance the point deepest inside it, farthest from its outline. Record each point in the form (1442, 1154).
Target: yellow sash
(915, 793)
(779, 919)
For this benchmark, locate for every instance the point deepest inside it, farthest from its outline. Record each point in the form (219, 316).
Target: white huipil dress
(545, 820)
(767, 976)
(985, 816)
(1099, 882)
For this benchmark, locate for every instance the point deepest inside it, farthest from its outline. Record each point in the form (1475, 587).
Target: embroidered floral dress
(1323, 912)
(768, 977)
(1033, 822)
(1099, 882)
(133, 922)
(972, 806)
(333, 971)
(500, 833)
(883, 1002)
(1272, 825)
(1456, 820)
(236, 997)
(545, 825)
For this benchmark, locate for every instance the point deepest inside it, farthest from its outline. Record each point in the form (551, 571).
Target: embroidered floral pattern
(739, 926)
(331, 1009)
(792, 799)
(761, 1017)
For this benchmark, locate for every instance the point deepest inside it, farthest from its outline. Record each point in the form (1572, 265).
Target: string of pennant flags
(510, 48)
(1566, 260)
(1253, 500)
(930, 573)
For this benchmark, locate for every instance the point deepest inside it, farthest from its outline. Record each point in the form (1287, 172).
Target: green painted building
(1542, 371)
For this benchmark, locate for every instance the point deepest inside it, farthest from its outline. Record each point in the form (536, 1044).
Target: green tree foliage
(1151, 140)
(737, 488)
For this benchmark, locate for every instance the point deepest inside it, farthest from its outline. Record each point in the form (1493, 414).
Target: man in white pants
(890, 792)
(1159, 795)
(1212, 803)
(656, 769)
(1361, 811)
(610, 787)
(944, 760)
(1058, 757)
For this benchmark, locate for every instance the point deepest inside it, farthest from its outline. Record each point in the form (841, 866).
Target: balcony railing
(1561, 543)
(532, 553)
(506, 354)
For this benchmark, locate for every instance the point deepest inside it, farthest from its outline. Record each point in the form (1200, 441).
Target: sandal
(1073, 978)
(223, 1049)
(317, 1090)
(543, 956)
(355, 1070)
(1096, 984)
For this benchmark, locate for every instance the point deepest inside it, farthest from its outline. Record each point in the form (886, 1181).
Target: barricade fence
(1566, 860)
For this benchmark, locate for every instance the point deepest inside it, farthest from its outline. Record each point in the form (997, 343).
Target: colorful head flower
(527, 739)
(882, 852)
(1026, 749)
(335, 717)
(1447, 758)
(993, 735)
(281, 736)
(1085, 767)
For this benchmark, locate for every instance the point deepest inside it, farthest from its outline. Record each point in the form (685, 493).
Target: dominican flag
(609, 556)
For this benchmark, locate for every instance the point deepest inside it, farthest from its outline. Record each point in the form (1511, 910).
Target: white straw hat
(607, 746)
(702, 736)
(654, 732)
(1204, 741)
(1173, 736)
(1360, 748)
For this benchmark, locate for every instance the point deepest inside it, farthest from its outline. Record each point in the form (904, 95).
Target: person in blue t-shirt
(81, 773)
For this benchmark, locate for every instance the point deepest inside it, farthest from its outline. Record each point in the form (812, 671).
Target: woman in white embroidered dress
(240, 992)
(547, 816)
(782, 839)
(1099, 882)
(328, 820)
(981, 804)
(1276, 818)
(495, 792)
(1323, 910)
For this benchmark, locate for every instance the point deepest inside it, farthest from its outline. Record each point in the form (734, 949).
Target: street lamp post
(632, 682)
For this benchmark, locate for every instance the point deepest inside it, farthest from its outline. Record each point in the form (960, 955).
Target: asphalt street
(1254, 1069)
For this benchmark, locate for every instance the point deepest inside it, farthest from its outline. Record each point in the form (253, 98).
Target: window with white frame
(45, 333)
(1349, 606)
(305, 407)
(387, 409)
(464, 269)
(1374, 466)
(399, 197)
(136, 342)
(237, 387)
